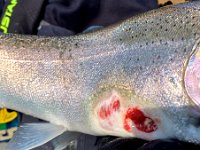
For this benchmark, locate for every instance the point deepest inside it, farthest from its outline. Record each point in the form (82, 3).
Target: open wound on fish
(192, 76)
(113, 115)
(109, 111)
(141, 121)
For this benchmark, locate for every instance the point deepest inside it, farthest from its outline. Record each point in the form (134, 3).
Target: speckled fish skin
(60, 79)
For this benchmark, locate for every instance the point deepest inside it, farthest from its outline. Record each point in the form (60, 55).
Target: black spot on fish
(61, 54)
(161, 27)
(172, 39)
(182, 39)
(120, 39)
(158, 57)
(152, 42)
(138, 59)
(185, 50)
(166, 21)
(147, 43)
(187, 22)
(70, 54)
(171, 79)
(141, 68)
(166, 29)
(76, 44)
(193, 25)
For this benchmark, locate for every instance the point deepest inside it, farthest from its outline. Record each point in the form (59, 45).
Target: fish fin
(67, 139)
(32, 135)
(92, 28)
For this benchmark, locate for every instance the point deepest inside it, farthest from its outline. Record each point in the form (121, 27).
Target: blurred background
(173, 1)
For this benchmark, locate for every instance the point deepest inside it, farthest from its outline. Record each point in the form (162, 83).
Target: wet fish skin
(141, 60)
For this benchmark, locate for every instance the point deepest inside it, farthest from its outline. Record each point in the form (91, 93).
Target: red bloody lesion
(110, 116)
(140, 120)
(116, 105)
(106, 111)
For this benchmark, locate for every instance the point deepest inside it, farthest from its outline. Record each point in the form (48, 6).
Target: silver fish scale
(55, 79)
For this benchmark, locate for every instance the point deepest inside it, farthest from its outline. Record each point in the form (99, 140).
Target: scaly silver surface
(55, 79)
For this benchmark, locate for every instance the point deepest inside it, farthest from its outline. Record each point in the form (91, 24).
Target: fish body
(125, 80)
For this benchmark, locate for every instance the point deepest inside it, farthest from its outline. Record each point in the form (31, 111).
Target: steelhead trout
(138, 78)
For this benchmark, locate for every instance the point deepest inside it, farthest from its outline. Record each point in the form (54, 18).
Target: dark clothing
(77, 15)
(67, 17)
